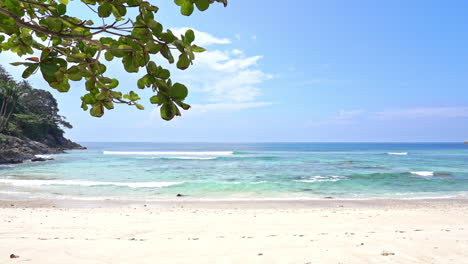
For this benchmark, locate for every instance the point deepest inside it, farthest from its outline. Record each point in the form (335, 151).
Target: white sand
(414, 233)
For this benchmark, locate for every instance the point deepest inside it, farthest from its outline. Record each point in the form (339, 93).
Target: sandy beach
(324, 231)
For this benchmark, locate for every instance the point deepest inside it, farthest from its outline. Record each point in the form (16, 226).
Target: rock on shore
(15, 150)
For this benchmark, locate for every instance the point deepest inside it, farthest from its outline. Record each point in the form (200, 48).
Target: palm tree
(10, 94)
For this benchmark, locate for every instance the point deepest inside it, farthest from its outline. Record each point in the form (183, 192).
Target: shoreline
(372, 203)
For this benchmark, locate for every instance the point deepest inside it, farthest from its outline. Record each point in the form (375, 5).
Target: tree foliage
(76, 48)
(28, 112)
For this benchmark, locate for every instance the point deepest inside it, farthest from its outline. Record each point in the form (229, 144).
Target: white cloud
(237, 52)
(224, 76)
(201, 38)
(341, 118)
(348, 114)
(218, 107)
(224, 80)
(237, 87)
(351, 117)
(424, 112)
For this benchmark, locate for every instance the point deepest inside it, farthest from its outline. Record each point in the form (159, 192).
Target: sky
(311, 71)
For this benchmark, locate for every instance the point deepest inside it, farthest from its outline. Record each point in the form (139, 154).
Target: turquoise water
(160, 171)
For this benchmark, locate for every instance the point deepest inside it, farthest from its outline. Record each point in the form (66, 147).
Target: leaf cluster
(76, 49)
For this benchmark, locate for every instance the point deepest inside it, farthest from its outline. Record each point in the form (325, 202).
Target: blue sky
(310, 71)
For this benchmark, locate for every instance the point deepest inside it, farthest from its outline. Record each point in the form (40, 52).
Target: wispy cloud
(352, 117)
(227, 106)
(202, 38)
(424, 112)
(349, 114)
(341, 118)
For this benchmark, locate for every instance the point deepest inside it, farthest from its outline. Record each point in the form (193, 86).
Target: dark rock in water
(15, 150)
(466, 142)
(38, 159)
(12, 256)
(179, 195)
(328, 197)
(41, 159)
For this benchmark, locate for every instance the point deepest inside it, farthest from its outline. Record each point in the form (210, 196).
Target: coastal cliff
(30, 123)
(16, 150)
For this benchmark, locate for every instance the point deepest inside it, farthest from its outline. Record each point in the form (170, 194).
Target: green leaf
(97, 111)
(166, 52)
(108, 56)
(153, 48)
(49, 68)
(168, 37)
(140, 107)
(105, 10)
(100, 96)
(108, 105)
(202, 5)
(152, 68)
(63, 88)
(141, 83)
(196, 48)
(114, 83)
(167, 112)
(163, 73)
(156, 99)
(17, 63)
(61, 9)
(30, 70)
(183, 105)
(155, 27)
(65, 2)
(117, 95)
(186, 8)
(178, 91)
(90, 85)
(189, 36)
(183, 62)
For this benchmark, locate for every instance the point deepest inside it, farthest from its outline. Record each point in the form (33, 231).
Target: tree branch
(46, 31)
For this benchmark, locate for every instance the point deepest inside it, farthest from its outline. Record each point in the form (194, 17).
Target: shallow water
(160, 171)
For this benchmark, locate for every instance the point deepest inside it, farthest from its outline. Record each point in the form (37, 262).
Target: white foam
(323, 179)
(258, 182)
(43, 156)
(237, 182)
(194, 158)
(87, 183)
(423, 173)
(171, 153)
(398, 153)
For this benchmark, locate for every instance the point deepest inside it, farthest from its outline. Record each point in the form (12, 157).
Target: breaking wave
(323, 179)
(398, 153)
(170, 153)
(423, 173)
(87, 183)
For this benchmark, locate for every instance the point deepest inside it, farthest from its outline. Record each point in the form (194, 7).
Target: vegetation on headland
(28, 112)
(73, 48)
(29, 121)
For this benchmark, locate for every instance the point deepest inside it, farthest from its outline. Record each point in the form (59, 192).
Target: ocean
(243, 171)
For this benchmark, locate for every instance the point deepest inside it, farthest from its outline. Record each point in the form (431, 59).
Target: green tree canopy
(29, 112)
(77, 48)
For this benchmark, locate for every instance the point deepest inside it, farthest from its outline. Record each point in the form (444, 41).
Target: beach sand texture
(325, 232)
